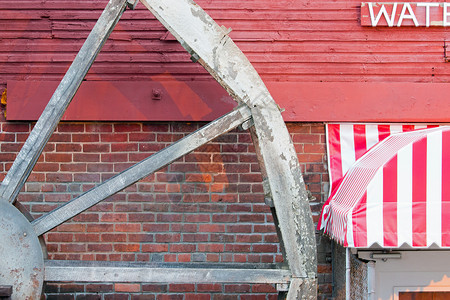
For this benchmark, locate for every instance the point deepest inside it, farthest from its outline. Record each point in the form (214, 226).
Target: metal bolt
(156, 94)
(24, 234)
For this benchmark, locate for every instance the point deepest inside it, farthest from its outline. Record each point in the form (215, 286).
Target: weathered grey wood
(302, 289)
(142, 169)
(135, 272)
(288, 190)
(32, 149)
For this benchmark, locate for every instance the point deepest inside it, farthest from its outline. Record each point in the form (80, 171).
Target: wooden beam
(79, 271)
(32, 149)
(288, 191)
(142, 169)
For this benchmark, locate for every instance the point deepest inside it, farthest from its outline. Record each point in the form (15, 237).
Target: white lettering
(427, 10)
(383, 11)
(410, 15)
(446, 15)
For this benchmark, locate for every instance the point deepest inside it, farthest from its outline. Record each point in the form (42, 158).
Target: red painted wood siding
(287, 41)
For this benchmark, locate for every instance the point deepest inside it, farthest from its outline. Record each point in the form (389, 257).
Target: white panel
(347, 147)
(372, 135)
(374, 214)
(396, 128)
(434, 188)
(404, 195)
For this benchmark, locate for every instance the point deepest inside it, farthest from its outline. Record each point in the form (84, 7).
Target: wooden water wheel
(24, 267)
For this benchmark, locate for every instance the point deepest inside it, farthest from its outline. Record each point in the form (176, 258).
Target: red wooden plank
(123, 101)
(204, 101)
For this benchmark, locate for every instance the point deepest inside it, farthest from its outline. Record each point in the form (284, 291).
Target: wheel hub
(22, 261)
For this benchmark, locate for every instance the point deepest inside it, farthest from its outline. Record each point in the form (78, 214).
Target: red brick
(226, 198)
(196, 198)
(198, 157)
(125, 147)
(63, 147)
(182, 247)
(98, 127)
(86, 177)
(127, 287)
(114, 217)
(113, 237)
(127, 247)
(7, 137)
(245, 238)
(154, 288)
(201, 218)
(141, 137)
(82, 157)
(59, 177)
(184, 258)
(127, 227)
(210, 247)
(58, 157)
(11, 147)
(72, 247)
(238, 208)
(211, 228)
(182, 287)
(99, 227)
(169, 218)
(120, 127)
(155, 248)
(85, 138)
(265, 248)
(141, 217)
(96, 148)
(99, 247)
(195, 237)
(170, 257)
(209, 287)
(73, 167)
(46, 167)
(113, 137)
(87, 237)
(15, 127)
(198, 177)
(168, 238)
(140, 237)
(250, 177)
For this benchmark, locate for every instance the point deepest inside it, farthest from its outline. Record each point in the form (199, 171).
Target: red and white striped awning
(397, 193)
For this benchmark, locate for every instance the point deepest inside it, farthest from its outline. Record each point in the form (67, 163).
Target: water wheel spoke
(142, 169)
(58, 271)
(53, 112)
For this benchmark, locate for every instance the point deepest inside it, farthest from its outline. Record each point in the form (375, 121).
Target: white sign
(397, 14)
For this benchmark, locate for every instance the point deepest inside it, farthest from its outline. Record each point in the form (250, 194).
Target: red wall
(289, 42)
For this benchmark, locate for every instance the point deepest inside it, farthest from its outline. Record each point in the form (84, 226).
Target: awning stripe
(446, 189)
(391, 195)
(390, 203)
(434, 188)
(404, 195)
(419, 178)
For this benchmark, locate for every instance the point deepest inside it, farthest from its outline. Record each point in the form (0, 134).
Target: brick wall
(205, 207)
